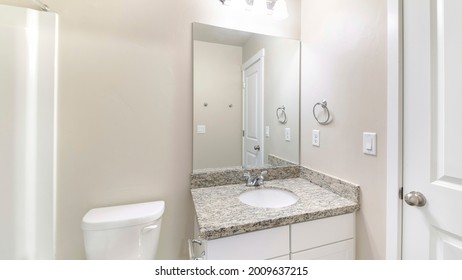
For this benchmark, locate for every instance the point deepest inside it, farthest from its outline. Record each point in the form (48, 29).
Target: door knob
(256, 147)
(415, 199)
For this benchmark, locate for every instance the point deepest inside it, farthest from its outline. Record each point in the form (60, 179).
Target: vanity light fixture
(42, 6)
(238, 5)
(260, 7)
(280, 10)
(276, 8)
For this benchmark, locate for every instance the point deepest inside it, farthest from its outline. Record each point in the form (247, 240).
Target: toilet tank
(123, 232)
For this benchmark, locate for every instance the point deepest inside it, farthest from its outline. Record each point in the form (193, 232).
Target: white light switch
(370, 143)
(267, 131)
(315, 138)
(287, 134)
(200, 129)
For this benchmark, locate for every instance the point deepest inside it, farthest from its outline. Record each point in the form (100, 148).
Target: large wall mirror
(246, 99)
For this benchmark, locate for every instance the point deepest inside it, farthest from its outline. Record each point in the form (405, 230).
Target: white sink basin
(268, 198)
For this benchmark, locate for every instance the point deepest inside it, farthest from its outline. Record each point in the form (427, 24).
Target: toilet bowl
(123, 232)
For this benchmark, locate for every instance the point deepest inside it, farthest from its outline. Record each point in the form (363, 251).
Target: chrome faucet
(255, 181)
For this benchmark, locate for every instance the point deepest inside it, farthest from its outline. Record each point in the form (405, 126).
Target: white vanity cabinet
(327, 238)
(257, 245)
(330, 238)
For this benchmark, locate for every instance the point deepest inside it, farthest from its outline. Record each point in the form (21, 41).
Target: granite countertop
(220, 213)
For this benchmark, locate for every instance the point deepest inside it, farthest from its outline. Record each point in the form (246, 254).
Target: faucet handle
(248, 178)
(261, 179)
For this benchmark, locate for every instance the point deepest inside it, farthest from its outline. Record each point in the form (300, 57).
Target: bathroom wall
(125, 107)
(217, 82)
(344, 61)
(282, 76)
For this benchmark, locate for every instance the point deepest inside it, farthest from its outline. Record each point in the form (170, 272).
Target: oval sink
(268, 198)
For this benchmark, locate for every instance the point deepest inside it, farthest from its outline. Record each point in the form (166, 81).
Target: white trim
(259, 55)
(55, 136)
(243, 118)
(394, 130)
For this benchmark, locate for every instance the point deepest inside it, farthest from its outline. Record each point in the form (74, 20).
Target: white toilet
(125, 232)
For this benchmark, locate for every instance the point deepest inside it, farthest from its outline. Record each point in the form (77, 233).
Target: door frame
(394, 204)
(259, 56)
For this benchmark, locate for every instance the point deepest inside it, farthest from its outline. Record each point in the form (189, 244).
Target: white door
(253, 111)
(432, 129)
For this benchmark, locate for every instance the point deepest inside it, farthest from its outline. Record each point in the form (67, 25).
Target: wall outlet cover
(315, 138)
(200, 129)
(287, 134)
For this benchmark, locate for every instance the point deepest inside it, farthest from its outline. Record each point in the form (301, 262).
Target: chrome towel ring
(323, 104)
(281, 114)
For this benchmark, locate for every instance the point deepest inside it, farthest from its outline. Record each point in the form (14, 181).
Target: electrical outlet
(287, 134)
(315, 139)
(200, 129)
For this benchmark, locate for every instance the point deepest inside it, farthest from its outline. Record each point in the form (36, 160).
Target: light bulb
(259, 7)
(238, 5)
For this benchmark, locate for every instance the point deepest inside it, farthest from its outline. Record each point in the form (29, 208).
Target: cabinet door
(196, 247)
(344, 250)
(257, 245)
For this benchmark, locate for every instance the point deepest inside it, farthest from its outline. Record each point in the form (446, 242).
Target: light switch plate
(267, 131)
(315, 138)
(370, 143)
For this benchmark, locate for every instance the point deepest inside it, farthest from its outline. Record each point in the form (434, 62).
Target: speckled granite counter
(220, 213)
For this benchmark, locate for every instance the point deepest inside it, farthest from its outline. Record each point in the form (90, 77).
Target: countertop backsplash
(229, 176)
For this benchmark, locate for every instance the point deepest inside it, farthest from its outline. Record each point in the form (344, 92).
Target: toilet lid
(122, 215)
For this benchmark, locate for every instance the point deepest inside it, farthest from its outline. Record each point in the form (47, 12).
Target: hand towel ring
(281, 114)
(323, 104)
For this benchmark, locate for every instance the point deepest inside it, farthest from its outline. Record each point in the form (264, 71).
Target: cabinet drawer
(344, 250)
(320, 232)
(258, 245)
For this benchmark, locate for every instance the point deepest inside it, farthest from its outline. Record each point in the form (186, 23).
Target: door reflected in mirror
(246, 99)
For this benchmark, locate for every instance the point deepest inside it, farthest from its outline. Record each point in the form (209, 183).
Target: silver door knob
(256, 147)
(415, 199)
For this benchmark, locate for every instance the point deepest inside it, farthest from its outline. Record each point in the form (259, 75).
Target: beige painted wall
(125, 107)
(217, 82)
(344, 61)
(282, 87)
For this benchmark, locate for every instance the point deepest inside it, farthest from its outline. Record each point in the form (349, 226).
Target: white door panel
(251, 81)
(253, 93)
(432, 149)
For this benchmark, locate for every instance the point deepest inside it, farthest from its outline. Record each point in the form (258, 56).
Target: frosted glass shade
(280, 10)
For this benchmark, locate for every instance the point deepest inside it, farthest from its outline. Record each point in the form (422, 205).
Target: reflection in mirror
(246, 99)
